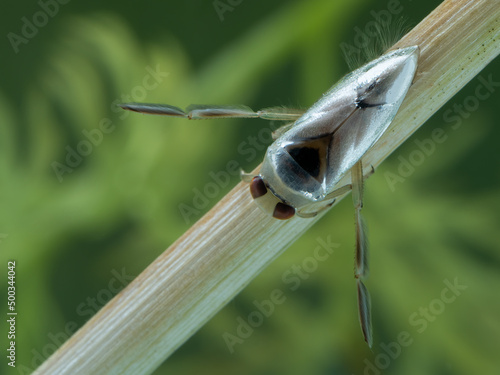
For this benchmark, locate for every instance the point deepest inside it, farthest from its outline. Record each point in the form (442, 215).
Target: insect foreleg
(346, 188)
(282, 129)
(246, 177)
(331, 197)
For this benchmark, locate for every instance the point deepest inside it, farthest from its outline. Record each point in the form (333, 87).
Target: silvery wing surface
(306, 162)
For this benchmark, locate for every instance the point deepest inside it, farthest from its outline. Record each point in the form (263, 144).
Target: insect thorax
(295, 174)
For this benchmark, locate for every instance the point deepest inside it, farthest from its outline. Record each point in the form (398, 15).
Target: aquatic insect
(310, 155)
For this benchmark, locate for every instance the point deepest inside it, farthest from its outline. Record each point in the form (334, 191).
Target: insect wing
(381, 87)
(307, 161)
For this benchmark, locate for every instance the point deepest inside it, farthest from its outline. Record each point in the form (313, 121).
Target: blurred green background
(76, 214)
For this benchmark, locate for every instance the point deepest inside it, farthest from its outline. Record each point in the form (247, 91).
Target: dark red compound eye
(258, 190)
(257, 187)
(283, 211)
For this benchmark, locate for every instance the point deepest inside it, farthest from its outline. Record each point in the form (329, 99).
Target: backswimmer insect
(310, 154)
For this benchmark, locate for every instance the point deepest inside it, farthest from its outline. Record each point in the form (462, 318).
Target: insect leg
(197, 112)
(346, 188)
(246, 177)
(331, 197)
(361, 259)
(280, 113)
(281, 130)
(306, 215)
(364, 307)
(338, 192)
(193, 111)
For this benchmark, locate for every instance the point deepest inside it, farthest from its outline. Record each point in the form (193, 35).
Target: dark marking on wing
(307, 158)
(312, 155)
